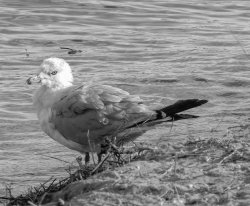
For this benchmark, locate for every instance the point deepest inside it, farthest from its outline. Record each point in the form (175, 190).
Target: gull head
(53, 73)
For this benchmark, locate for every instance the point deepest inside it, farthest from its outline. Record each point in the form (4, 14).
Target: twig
(8, 191)
(61, 202)
(31, 203)
(7, 198)
(48, 189)
(71, 51)
(178, 197)
(101, 163)
(228, 156)
(42, 198)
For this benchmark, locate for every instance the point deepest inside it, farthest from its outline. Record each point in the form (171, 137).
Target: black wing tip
(195, 101)
(202, 101)
(182, 105)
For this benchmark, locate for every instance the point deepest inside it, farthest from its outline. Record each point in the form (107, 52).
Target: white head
(53, 73)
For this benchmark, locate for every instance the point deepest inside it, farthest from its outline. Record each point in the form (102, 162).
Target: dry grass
(38, 195)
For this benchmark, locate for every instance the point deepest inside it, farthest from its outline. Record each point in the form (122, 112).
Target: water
(162, 50)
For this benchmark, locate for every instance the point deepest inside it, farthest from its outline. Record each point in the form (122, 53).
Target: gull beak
(33, 79)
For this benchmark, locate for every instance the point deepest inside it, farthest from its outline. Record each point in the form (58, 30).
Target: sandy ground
(200, 168)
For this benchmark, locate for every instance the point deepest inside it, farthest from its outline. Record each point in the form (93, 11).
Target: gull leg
(104, 149)
(79, 161)
(87, 158)
(99, 155)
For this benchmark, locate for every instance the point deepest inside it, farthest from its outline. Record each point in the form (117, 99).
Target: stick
(230, 155)
(100, 164)
(31, 203)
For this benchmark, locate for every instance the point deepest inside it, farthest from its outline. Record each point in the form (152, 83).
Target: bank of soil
(200, 168)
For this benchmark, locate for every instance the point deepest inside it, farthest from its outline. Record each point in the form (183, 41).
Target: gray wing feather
(81, 109)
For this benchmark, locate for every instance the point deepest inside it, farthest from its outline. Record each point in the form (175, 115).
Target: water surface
(162, 50)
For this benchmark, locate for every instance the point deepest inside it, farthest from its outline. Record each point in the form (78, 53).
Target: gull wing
(87, 114)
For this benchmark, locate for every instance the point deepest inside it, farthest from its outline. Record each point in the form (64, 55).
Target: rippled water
(162, 50)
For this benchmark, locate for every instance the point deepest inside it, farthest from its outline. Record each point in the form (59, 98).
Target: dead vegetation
(210, 171)
(39, 195)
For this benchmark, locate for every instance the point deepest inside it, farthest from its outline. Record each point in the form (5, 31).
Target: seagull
(81, 117)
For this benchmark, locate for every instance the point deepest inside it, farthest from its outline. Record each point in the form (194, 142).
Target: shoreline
(210, 170)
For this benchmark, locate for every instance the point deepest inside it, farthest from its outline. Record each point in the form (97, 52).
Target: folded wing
(87, 114)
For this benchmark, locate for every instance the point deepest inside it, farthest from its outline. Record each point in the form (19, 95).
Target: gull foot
(79, 161)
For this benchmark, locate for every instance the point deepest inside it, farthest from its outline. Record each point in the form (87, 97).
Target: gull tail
(165, 114)
(170, 113)
(180, 106)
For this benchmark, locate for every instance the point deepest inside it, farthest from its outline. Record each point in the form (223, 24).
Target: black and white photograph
(124, 103)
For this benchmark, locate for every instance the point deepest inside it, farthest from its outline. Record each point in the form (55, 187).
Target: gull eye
(54, 72)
